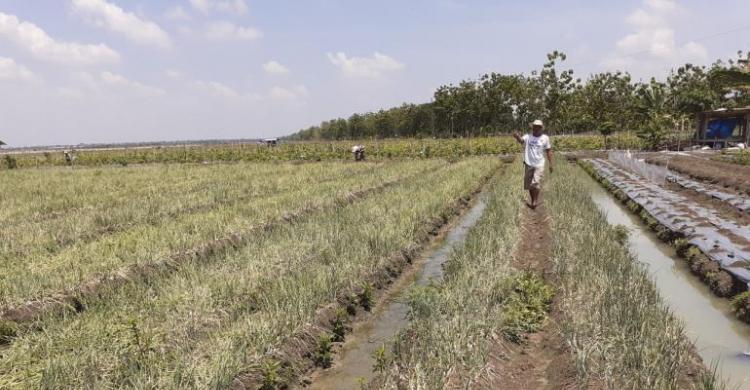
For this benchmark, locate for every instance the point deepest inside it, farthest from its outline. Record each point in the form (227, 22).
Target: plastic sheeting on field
(658, 174)
(738, 201)
(721, 240)
(652, 172)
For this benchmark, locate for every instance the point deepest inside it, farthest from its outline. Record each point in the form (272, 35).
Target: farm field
(63, 251)
(262, 291)
(378, 149)
(498, 290)
(226, 195)
(251, 275)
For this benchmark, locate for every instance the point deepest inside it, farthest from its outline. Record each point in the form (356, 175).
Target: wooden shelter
(724, 126)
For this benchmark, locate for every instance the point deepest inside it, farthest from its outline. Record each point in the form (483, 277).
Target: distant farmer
(70, 156)
(535, 145)
(359, 152)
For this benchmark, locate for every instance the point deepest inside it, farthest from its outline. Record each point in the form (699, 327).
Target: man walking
(535, 145)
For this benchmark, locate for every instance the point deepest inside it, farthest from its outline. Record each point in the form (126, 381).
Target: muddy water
(355, 361)
(719, 337)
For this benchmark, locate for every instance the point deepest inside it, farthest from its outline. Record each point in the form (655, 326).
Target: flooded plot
(709, 322)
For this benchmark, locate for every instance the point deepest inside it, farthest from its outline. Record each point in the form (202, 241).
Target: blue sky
(83, 71)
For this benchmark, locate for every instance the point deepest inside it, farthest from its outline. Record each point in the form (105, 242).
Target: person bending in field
(535, 146)
(359, 152)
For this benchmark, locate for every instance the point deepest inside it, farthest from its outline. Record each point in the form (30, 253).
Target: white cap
(538, 123)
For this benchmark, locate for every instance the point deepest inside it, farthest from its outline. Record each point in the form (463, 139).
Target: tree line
(606, 102)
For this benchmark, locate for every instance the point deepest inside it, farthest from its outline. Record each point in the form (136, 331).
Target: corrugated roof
(739, 110)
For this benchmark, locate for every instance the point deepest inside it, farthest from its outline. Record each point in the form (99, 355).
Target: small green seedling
(322, 355)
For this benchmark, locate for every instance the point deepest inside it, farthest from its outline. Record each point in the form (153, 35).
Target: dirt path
(543, 360)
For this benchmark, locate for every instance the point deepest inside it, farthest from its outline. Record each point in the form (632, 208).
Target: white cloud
(640, 18)
(36, 41)
(294, 93)
(185, 31)
(105, 86)
(273, 67)
(661, 5)
(224, 31)
(113, 18)
(177, 13)
(232, 6)
(217, 88)
(206, 88)
(370, 67)
(70, 93)
(652, 46)
(119, 81)
(84, 84)
(12, 71)
(174, 74)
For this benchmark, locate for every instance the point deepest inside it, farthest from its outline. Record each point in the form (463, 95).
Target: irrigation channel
(719, 337)
(354, 363)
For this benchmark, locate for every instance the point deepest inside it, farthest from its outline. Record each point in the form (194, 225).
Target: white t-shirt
(534, 148)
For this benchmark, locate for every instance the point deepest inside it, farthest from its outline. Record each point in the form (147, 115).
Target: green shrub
(621, 234)
(11, 162)
(350, 304)
(382, 362)
(340, 325)
(272, 378)
(8, 330)
(366, 299)
(681, 245)
(423, 300)
(741, 306)
(721, 282)
(663, 232)
(322, 355)
(525, 310)
(693, 253)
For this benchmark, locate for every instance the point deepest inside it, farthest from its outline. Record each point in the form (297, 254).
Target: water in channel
(719, 337)
(355, 361)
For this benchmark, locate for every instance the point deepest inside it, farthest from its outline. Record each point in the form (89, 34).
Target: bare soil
(723, 209)
(728, 175)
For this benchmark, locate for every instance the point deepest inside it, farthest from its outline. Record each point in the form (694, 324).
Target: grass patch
(208, 323)
(741, 306)
(619, 328)
(453, 323)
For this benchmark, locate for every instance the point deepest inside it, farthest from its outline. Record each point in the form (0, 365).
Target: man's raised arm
(518, 138)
